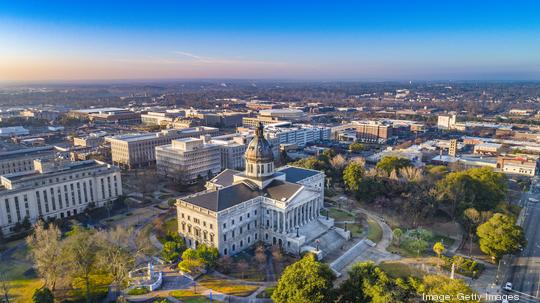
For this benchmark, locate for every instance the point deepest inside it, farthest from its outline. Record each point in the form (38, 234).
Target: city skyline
(417, 40)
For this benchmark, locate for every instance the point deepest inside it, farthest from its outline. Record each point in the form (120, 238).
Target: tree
(170, 251)
(480, 188)
(437, 286)
(46, 250)
(438, 249)
(500, 236)
(191, 261)
(208, 255)
(4, 288)
(114, 256)
(338, 162)
(305, 281)
(356, 147)
(43, 295)
(242, 266)
(82, 254)
(225, 264)
(392, 163)
(369, 283)
(397, 233)
(472, 218)
(260, 256)
(352, 176)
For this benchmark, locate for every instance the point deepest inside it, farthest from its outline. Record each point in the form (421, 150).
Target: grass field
(188, 296)
(374, 230)
(403, 251)
(338, 214)
(18, 270)
(356, 229)
(227, 286)
(170, 226)
(266, 293)
(400, 270)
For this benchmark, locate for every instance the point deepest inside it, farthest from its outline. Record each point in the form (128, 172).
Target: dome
(259, 149)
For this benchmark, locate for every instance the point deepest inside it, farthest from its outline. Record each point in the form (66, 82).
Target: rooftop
(295, 174)
(229, 196)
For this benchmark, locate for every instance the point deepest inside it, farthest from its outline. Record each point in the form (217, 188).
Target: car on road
(508, 286)
(533, 200)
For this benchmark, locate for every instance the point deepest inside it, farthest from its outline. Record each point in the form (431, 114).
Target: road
(525, 270)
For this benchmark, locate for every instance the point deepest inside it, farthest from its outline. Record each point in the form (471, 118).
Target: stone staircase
(349, 256)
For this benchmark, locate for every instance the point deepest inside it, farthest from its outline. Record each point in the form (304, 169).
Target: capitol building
(277, 206)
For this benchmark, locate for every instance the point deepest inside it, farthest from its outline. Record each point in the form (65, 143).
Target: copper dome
(259, 149)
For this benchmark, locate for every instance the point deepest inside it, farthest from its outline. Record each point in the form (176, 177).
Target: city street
(525, 271)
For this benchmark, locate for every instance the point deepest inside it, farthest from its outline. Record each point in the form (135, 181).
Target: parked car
(508, 286)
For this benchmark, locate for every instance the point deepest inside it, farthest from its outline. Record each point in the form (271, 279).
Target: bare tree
(114, 255)
(225, 264)
(242, 266)
(4, 287)
(81, 252)
(260, 255)
(46, 250)
(338, 162)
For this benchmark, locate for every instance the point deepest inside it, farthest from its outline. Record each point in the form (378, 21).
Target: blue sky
(319, 40)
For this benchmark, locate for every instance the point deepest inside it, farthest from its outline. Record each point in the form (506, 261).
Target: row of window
(196, 220)
(241, 230)
(248, 215)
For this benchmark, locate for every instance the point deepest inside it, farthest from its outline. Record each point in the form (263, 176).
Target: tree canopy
(352, 176)
(392, 163)
(480, 188)
(500, 236)
(369, 283)
(305, 281)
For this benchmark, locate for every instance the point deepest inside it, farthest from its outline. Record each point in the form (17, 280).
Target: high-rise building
(452, 151)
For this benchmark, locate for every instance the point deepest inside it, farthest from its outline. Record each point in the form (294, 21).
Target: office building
(188, 159)
(22, 160)
(12, 131)
(136, 150)
(56, 189)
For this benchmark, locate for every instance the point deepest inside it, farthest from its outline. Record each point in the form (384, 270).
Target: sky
(306, 40)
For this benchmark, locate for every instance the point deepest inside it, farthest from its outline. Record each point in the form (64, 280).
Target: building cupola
(259, 156)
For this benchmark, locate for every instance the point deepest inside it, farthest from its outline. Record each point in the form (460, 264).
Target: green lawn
(374, 230)
(227, 286)
(188, 296)
(171, 226)
(400, 270)
(266, 293)
(338, 214)
(356, 229)
(403, 251)
(22, 280)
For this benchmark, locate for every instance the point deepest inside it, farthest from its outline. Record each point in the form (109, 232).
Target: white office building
(56, 189)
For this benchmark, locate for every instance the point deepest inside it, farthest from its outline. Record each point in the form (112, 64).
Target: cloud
(225, 61)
